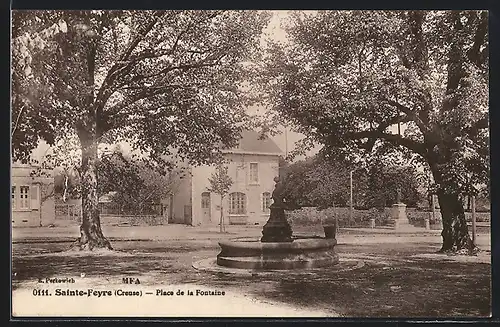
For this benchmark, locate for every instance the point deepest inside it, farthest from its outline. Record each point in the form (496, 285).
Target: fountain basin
(299, 254)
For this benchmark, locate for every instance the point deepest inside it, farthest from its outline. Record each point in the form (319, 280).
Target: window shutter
(244, 174)
(35, 199)
(261, 197)
(14, 196)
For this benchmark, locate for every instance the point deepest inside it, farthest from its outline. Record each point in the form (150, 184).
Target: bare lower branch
(17, 121)
(413, 115)
(395, 139)
(383, 126)
(123, 63)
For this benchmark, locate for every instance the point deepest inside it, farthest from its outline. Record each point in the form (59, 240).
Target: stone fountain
(278, 249)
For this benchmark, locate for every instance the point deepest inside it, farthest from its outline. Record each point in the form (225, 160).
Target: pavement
(177, 232)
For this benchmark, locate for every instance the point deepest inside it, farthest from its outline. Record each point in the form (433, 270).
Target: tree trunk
(221, 220)
(455, 231)
(90, 230)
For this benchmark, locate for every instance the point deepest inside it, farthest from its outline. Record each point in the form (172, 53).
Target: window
(254, 172)
(24, 192)
(266, 201)
(237, 203)
(13, 197)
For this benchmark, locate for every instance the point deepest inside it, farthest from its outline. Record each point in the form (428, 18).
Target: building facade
(32, 200)
(252, 167)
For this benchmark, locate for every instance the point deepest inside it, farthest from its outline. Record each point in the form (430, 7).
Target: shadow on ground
(391, 284)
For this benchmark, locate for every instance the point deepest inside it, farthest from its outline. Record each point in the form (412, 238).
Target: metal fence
(113, 214)
(110, 208)
(68, 212)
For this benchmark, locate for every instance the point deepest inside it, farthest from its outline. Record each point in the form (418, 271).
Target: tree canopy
(150, 77)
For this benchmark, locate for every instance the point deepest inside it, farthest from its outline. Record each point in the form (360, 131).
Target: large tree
(159, 79)
(345, 77)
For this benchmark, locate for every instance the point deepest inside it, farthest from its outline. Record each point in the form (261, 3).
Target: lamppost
(350, 195)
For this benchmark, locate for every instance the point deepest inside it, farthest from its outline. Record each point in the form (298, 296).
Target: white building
(252, 167)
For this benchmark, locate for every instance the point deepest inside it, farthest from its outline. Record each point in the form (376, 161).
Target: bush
(306, 216)
(417, 217)
(360, 218)
(480, 216)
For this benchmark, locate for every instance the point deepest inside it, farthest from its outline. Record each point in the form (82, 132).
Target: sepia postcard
(250, 163)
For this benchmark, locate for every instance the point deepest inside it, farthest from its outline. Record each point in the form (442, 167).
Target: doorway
(205, 207)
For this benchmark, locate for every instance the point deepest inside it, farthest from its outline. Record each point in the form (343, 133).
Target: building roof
(251, 142)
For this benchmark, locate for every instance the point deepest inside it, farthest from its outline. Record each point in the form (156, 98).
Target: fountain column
(277, 228)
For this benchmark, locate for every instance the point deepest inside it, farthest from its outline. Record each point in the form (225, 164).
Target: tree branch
(392, 138)
(140, 36)
(47, 195)
(384, 125)
(474, 53)
(480, 124)
(412, 115)
(17, 121)
(200, 64)
(455, 57)
(420, 55)
(123, 63)
(106, 122)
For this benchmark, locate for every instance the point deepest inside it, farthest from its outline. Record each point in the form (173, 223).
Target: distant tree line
(323, 183)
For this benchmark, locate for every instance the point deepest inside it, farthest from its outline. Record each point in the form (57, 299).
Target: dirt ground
(402, 277)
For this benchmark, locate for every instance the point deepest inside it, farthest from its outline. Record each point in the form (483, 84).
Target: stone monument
(398, 212)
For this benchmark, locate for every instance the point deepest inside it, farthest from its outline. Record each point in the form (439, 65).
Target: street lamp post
(473, 209)
(350, 196)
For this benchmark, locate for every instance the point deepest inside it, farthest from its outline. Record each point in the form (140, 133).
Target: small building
(252, 166)
(32, 196)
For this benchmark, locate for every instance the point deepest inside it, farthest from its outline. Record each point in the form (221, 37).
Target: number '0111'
(37, 292)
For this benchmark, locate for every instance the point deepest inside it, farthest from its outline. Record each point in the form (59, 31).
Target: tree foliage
(346, 77)
(323, 183)
(316, 182)
(383, 183)
(141, 75)
(134, 185)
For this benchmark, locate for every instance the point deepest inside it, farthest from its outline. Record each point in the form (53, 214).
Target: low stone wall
(132, 220)
(361, 218)
(237, 220)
